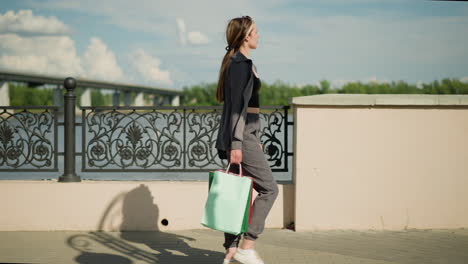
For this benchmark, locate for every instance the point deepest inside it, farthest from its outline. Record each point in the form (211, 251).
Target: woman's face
(252, 38)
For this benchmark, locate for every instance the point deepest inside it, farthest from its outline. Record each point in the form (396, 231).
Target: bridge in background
(160, 96)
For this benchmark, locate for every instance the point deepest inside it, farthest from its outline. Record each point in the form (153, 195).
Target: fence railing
(28, 138)
(128, 139)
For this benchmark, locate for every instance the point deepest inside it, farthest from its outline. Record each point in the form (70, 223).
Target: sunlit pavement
(205, 246)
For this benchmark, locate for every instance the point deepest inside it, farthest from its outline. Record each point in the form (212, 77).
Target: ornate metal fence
(28, 138)
(169, 138)
(140, 139)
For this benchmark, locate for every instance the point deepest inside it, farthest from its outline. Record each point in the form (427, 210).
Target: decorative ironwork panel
(28, 138)
(273, 137)
(202, 130)
(120, 139)
(169, 138)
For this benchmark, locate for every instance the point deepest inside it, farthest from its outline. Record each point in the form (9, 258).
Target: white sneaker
(248, 256)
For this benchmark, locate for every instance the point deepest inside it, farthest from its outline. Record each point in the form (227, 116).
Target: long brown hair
(237, 30)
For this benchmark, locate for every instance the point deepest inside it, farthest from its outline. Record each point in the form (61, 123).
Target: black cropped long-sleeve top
(238, 90)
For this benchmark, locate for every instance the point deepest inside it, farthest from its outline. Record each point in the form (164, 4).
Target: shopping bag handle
(240, 169)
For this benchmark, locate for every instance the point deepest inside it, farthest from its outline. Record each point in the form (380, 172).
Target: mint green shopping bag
(228, 206)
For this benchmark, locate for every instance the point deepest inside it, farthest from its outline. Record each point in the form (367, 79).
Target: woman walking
(238, 136)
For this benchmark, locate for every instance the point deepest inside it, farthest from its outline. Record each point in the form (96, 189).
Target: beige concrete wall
(371, 167)
(112, 205)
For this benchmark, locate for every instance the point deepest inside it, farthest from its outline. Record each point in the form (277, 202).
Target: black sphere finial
(69, 83)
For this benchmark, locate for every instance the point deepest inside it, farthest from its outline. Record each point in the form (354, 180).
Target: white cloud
(51, 55)
(197, 38)
(47, 54)
(148, 67)
(56, 55)
(181, 31)
(464, 79)
(100, 62)
(193, 37)
(25, 22)
(44, 49)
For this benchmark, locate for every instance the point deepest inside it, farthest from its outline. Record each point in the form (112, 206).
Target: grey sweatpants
(254, 164)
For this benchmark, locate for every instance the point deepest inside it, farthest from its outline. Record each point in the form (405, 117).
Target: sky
(172, 44)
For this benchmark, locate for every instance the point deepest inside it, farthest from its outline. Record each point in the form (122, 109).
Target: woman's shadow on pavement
(138, 213)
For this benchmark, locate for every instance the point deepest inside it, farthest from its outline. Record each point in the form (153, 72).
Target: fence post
(69, 174)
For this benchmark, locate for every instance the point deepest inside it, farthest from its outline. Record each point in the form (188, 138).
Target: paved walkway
(204, 246)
